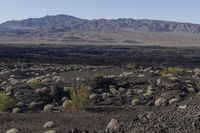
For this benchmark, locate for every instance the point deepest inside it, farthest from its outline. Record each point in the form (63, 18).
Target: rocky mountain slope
(70, 23)
(63, 28)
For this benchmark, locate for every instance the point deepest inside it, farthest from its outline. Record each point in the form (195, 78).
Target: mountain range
(66, 29)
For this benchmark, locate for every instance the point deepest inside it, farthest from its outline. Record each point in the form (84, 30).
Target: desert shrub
(6, 102)
(33, 82)
(198, 84)
(79, 96)
(99, 74)
(171, 70)
(130, 66)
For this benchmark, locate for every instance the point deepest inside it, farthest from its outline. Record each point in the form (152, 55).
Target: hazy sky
(174, 10)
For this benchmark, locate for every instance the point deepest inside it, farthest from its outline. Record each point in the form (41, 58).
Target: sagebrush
(79, 96)
(6, 102)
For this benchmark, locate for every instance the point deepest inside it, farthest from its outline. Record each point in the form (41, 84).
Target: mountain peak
(70, 23)
(46, 22)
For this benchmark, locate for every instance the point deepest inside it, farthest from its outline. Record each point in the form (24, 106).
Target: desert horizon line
(100, 18)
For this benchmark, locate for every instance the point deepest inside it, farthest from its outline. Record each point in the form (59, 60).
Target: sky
(172, 10)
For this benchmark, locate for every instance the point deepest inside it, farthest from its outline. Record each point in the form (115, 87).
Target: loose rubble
(158, 96)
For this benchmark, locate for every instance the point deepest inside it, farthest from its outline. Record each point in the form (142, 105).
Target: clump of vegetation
(130, 66)
(171, 70)
(198, 84)
(99, 74)
(6, 103)
(79, 97)
(33, 82)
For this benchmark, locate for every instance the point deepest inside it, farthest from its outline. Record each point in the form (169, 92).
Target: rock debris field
(38, 97)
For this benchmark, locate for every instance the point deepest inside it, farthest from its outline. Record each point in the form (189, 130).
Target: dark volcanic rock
(101, 84)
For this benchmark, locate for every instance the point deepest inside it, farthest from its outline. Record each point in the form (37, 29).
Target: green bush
(171, 70)
(6, 102)
(79, 96)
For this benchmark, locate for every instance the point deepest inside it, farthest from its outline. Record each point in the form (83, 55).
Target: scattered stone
(47, 75)
(169, 75)
(13, 130)
(195, 125)
(75, 130)
(16, 110)
(173, 78)
(140, 75)
(49, 124)
(150, 87)
(189, 85)
(187, 81)
(158, 81)
(196, 70)
(78, 79)
(49, 108)
(139, 91)
(148, 93)
(113, 125)
(67, 104)
(192, 90)
(150, 115)
(113, 90)
(46, 80)
(135, 102)
(125, 74)
(50, 131)
(34, 105)
(41, 91)
(54, 74)
(129, 94)
(173, 100)
(93, 96)
(20, 104)
(65, 99)
(182, 106)
(160, 102)
(122, 89)
(105, 95)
